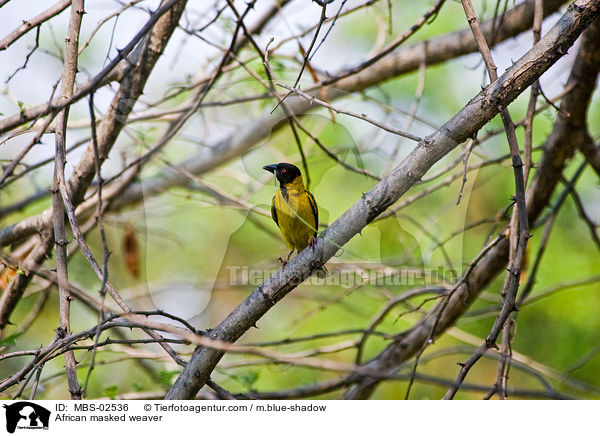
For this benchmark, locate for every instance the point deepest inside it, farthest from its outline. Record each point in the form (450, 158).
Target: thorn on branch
(491, 344)
(77, 392)
(61, 332)
(264, 294)
(412, 176)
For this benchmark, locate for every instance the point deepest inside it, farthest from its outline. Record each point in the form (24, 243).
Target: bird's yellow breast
(296, 216)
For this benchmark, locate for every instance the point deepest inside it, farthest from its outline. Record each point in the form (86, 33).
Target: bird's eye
(283, 170)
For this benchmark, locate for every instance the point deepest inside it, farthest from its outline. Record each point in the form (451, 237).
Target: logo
(26, 415)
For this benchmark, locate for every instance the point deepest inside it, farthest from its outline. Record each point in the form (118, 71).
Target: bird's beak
(271, 168)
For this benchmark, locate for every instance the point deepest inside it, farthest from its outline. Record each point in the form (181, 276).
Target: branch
(58, 209)
(590, 69)
(34, 22)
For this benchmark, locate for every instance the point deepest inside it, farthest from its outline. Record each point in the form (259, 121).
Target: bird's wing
(315, 209)
(274, 211)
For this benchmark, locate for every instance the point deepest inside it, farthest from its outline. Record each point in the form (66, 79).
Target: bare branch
(34, 22)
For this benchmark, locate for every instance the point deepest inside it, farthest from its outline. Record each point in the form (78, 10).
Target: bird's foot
(283, 261)
(312, 243)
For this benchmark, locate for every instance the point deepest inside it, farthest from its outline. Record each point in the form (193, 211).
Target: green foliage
(247, 379)
(111, 391)
(10, 340)
(166, 377)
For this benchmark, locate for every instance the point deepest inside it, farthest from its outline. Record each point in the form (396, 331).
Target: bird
(293, 209)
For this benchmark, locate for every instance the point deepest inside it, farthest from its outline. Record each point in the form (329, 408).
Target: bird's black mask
(285, 172)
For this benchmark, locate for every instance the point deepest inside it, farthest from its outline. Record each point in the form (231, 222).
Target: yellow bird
(293, 209)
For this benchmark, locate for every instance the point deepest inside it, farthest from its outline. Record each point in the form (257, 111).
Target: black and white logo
(26, 415)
